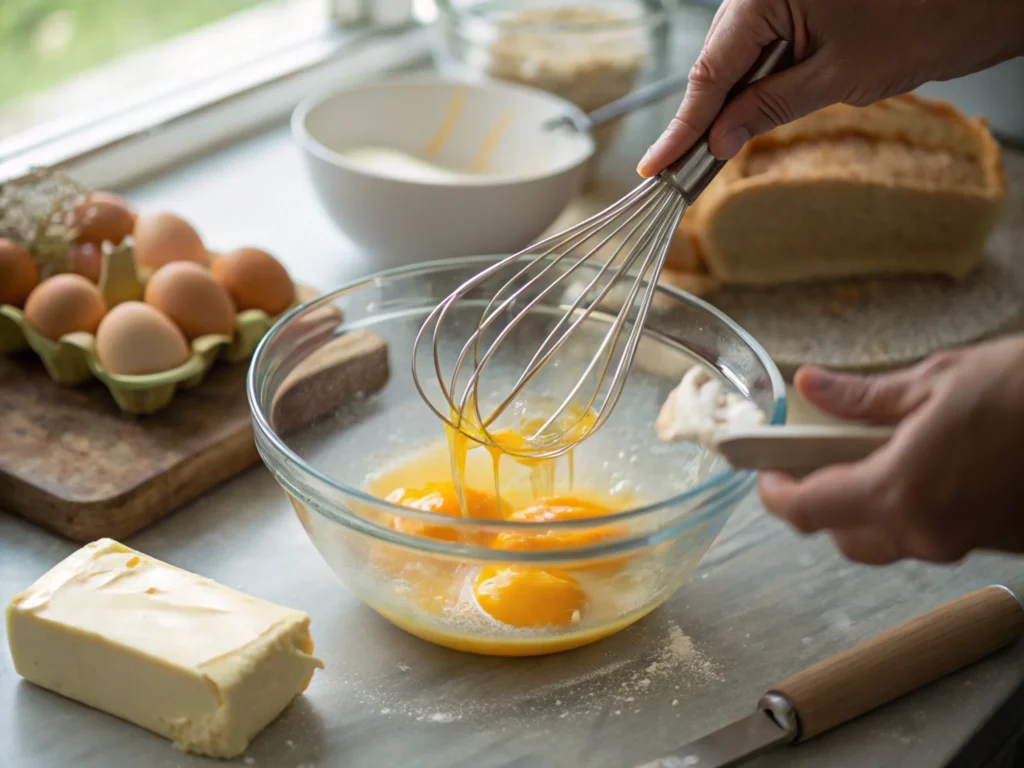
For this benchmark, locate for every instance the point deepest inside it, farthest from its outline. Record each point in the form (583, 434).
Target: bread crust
(904, 186)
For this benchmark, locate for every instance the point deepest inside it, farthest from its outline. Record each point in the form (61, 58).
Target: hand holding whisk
(630, 237)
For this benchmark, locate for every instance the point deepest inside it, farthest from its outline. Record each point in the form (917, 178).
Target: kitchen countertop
(764, 602)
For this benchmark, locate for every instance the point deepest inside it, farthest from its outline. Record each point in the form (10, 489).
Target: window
(76, 75)
(66, 57)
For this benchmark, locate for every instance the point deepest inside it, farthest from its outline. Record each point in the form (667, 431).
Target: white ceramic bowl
(528, 177)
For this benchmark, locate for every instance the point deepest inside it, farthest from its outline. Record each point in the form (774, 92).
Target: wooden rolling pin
(869, 675)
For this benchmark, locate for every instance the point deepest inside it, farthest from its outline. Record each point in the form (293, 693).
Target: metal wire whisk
(631, 237)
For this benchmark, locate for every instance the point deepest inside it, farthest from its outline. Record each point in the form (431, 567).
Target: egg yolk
(529, 597)
(441, 499)
(514, 595)
(554, 509)
(529, 438)
(559, 508)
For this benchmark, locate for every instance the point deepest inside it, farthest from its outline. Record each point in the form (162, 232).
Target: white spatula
(799, 450)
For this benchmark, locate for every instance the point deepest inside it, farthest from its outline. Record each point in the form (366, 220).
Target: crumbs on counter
(673, 666)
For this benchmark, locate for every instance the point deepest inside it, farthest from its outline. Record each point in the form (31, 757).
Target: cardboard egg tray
(72, 360)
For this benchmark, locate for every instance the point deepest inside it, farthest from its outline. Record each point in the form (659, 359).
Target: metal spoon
(641, 97)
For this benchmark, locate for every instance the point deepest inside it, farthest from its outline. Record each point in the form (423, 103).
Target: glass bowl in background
(415, 567)
(590, 53)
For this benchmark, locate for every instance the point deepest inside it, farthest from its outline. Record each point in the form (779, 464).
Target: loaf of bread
(905, 186)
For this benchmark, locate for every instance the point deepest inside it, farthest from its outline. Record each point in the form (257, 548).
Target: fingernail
(733, 141)
(768, 481)
(643, 162)
(820, 381)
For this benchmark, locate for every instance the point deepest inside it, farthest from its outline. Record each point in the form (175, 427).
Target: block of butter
(181, 655)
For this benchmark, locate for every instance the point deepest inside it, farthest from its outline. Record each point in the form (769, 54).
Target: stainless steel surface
(630, 239)
(692, 173)
(763, 604)
(735, 744)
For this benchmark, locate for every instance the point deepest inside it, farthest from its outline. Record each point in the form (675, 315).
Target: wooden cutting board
(71, 462)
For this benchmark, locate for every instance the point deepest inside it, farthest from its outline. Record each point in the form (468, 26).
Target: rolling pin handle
(899, 660)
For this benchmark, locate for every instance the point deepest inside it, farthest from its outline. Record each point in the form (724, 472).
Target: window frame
(142, 138)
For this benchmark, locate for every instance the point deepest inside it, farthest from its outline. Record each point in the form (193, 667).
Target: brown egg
(188, 294)
(87, 260)
(255, 280)
(100, 217)
(64, 304)
(136, 339)
(18, 273)
(163, 237)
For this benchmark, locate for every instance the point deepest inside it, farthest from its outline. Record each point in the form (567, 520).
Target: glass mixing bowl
(337, 416)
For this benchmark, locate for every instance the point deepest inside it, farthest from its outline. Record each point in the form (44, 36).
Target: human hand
(851, 51)
(950, 480)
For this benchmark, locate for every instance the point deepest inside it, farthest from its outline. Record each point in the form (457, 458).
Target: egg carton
(72, 360)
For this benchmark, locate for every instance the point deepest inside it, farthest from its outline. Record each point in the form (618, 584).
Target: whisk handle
(692, 173)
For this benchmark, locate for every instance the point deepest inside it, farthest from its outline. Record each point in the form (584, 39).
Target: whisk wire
(648, 216)
(626, 362)
(653, 228)
(606, 350)
(544, 356)
(610, 341)
(645, 219)
(438, 315)
(586, 289)
(582, 232)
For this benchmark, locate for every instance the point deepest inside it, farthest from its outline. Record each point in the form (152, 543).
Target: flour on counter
(700, 410)
(619, 684)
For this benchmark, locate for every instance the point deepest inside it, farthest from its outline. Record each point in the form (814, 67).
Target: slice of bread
(904, 186)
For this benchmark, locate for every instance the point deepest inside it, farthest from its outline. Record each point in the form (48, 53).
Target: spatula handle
(800, 450)
(899, 660)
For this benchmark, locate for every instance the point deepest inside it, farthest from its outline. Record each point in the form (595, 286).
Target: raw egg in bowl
(471, 548)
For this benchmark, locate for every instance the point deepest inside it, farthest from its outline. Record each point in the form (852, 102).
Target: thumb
(737, 37)
(884, 399)
(778, 99)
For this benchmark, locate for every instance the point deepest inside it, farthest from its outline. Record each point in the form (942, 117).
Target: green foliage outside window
(43, 42)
